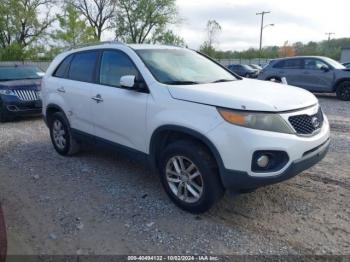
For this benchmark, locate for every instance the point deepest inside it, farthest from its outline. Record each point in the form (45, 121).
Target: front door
(119, 113)
(317, 75)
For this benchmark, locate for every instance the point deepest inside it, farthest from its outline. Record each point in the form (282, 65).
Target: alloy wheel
(345, 92)
(59, 134)
(184, 179)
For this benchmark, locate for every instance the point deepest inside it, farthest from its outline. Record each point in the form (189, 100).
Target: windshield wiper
(222, 80)
(179, 82)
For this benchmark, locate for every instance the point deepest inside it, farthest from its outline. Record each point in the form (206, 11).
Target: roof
(117, 43)
(295, 57)
(346, 47)
(149, 46)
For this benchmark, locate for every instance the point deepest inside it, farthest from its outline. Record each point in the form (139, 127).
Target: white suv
(202, 128)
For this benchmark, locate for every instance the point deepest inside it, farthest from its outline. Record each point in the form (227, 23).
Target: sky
(295, 20)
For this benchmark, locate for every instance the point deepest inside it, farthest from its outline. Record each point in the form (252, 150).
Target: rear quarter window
(62, 70)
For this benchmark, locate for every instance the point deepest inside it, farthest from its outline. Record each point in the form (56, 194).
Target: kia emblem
(315, 122)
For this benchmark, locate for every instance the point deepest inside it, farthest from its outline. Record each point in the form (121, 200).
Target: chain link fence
(43, 65)
(226, 62)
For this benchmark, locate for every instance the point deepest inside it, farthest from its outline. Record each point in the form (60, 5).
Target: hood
(246, 94)
(29, 84)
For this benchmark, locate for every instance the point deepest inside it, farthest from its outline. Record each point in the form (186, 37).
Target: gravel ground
(99, 202)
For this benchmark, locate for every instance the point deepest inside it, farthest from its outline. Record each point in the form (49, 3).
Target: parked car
(314, 73)
(255, 66)
(201, 127)
(19, 91)
(347, 65)
(244, 70)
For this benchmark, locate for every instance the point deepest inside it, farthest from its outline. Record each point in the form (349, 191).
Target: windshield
(334, 63)
(182, 66)
(19, 72)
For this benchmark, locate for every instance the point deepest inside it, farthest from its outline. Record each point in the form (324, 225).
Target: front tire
(343, 91)
(190, 176)
(61, 135)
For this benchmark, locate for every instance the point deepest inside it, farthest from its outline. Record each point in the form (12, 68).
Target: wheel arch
(163, 135)
(50, 110)
(338, 82)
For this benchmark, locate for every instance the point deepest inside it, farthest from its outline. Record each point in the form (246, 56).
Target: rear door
(291, 69)
(76, 90)
(316, 77)
(119, 114)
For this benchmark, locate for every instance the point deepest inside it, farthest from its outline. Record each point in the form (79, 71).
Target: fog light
(263, 161)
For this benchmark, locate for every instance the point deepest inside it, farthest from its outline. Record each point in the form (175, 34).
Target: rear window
(82, 67)
(8, 73)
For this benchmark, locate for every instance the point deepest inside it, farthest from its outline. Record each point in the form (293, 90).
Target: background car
(347, 65)
(255, 66)
(19, 91)
(244, 70)
(314, 73)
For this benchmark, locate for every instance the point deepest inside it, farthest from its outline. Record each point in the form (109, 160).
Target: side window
(314, 64)
(62, 70)
(290, 64)
(279, 64)
(82, 66)
(114, 65)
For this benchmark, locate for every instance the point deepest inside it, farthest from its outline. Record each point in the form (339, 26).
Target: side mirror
(131, 82)
(127, 81)
(325, 68)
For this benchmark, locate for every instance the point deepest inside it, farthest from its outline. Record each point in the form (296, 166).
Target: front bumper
(236, 146)
(13, 106)
(237, 180)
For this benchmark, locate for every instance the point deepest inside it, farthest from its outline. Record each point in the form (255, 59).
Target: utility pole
(329, 35)
(261, 30)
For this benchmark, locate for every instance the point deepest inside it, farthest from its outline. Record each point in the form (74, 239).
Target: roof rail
(93, 44)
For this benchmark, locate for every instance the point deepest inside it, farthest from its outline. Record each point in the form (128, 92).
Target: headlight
(262, 121)
(7, 92)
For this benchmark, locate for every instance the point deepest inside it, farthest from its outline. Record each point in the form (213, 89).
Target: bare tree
(98, 13)
(213, 29)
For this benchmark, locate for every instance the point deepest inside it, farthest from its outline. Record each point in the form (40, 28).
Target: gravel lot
(99, 202)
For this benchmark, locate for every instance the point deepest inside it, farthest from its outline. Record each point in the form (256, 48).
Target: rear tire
(61, 135)
(193, 184)
(343, 91)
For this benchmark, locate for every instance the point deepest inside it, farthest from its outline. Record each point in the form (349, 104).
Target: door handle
(97, 98)
(281, 72)
(61, 90)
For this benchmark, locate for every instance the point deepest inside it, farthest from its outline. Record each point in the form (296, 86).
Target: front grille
(305, 124)
(27, 95)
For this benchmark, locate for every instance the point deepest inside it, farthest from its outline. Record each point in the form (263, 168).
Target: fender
(155, 136)
(51, 106)
(338, 82)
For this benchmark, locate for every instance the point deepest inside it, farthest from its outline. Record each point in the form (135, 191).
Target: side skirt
(131, 153)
